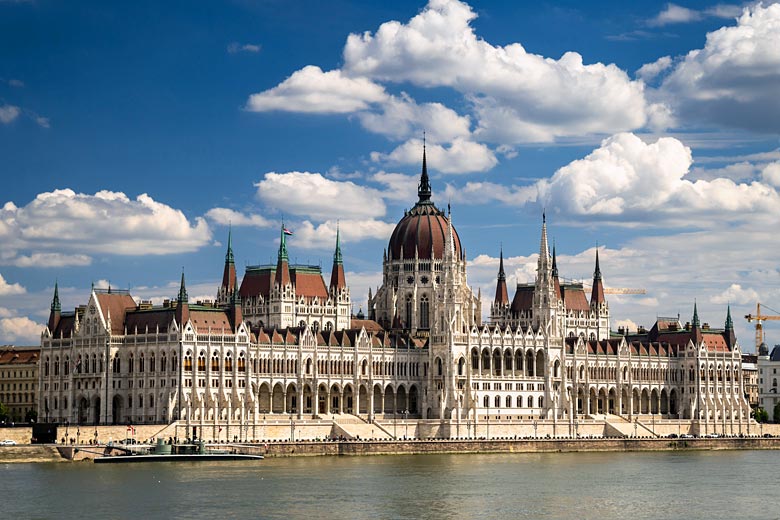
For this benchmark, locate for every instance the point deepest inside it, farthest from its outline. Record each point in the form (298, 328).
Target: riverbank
(52, 453)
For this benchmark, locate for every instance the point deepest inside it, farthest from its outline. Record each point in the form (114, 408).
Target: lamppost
(292, 429)
(536, 424)
(395, 425)
(636, 423)
(576, 429)
(406, 424)
(468, 428)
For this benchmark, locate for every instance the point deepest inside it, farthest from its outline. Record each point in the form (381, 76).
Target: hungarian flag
(131, 429)
(286, 231)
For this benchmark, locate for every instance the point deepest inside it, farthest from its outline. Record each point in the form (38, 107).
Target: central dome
(423, 229)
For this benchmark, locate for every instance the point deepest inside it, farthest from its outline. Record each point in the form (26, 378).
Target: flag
(131, 429)
(286, 231)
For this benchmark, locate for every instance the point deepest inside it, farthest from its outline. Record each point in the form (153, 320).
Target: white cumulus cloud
(10, 288)
(314, 91)
(8, 113)
(226, 216)
(20, 329)
(323, 236)
(735, 78)
(314, 196)
(462, 156)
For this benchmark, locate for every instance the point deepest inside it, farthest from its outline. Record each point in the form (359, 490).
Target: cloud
(7, 289)
(461, 156)
(16, 83)
(20, 329)
(312, 195)
(675, 14)
(488, 192)
(323, 236)
(771, 174)
(401, 118)
(106, 222)
(235, 47)
(41, 121)
(517, 96)
(45, 260)
(630, 181)
(8, 113)
(398, 187)
(311, 90)
(736, 294)
(225, 216)
(649, 71)
(734, 80)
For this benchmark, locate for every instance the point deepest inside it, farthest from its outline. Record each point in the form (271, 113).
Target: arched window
(46, 367)
(187, 362)
(94, 363)
(408, 320)
(141, 363)
(424, 312)
(152, 362)
(151, 401)
(241, 363)
(486, 402)
(439, 367)
(164, 362)
(228, 362)
(202, 362)
(519, 401)
(214, 362)
(497, 401)
(509, 401)
(530, 401)
(130, 364)
(541, 402)
(328, 326)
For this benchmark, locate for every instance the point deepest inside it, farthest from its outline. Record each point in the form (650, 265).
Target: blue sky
(131, 134)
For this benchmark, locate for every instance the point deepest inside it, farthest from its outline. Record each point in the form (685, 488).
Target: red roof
(19, 355)
(524, 298)
(424, 230)
(117, 304)
(574, 298)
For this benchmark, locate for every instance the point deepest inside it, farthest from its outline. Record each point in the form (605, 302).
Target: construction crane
(759, 318)
(617, 290)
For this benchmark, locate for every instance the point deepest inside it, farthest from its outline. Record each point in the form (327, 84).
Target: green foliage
(776, 413)
(5, 413)
(31, 416)
(761, 415)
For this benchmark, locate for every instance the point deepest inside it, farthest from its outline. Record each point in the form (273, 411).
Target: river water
(603, 486)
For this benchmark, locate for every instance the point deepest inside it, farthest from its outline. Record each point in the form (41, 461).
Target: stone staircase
(619, 426)
(354, 427)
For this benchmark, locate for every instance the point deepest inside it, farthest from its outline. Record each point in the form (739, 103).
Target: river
(675, 485)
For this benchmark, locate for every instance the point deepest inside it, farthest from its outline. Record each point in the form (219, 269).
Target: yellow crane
(617, 290)
(759, 318)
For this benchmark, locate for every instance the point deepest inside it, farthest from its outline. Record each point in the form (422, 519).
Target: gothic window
(46, 367)
(509, 401)
(530, 402)
(151, 401)
(408, 320)
(66, 365)
(202, 362)
(94, 363)
(164, 363)
(438, 366)
(519, 401)
(228, 363)
(315, 327)
(424, 312)
(474, 359)
(214, 362)
(152, 363)
(328, 326)
(302, 324)
(130, 364)
(486, 402)
(541, 402)
(241, 363)
(497, 401)
(141, 363)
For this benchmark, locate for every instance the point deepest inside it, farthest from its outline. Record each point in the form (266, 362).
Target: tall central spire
(282, 245)
(424, 189)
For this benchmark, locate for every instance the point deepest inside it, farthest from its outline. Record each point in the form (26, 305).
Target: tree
(761, 415)
(776, 412)
(31, 416)
(5, 413)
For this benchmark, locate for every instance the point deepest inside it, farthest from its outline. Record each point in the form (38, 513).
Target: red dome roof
(423, 229)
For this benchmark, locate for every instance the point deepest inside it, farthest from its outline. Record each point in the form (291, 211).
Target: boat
(164, 452)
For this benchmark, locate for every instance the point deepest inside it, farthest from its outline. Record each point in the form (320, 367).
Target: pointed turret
(424, 188)
(55, 310)
(229, 274)
(544, 249)
(337, 279)
(597, 293)
(282, 262)
(502, 296)
(731, 337)
(236, 314)
(556, 280)
(696, 325)
(183, 306)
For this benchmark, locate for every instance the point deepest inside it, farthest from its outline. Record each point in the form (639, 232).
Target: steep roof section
(149, 319)
(524, 298)
(115, 304)
(337, 278)
(574, 298)
(229, 273)
(597, 293)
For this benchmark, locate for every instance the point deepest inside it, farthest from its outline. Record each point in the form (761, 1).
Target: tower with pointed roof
(229, 282)
(499, 310)
(545, 299)
(182, 304)
(338, 289)
(599, 307)
(56, 309)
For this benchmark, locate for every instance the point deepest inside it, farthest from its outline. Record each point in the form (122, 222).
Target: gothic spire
(424, 188)
(696, 323)
(729, 322)
(502, 295)
(229, 273)
(555, 263)
(597, 293)
(283, 245)
(229, 255)
(55, 302)
(731, 337)
(337, 258)
(183, 298)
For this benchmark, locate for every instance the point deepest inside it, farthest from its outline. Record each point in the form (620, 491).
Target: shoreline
(48, 453)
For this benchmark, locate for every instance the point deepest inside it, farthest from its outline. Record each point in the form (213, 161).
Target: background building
(19, 381)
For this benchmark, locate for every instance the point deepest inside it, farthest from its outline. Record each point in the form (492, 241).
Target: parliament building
(282, 347)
